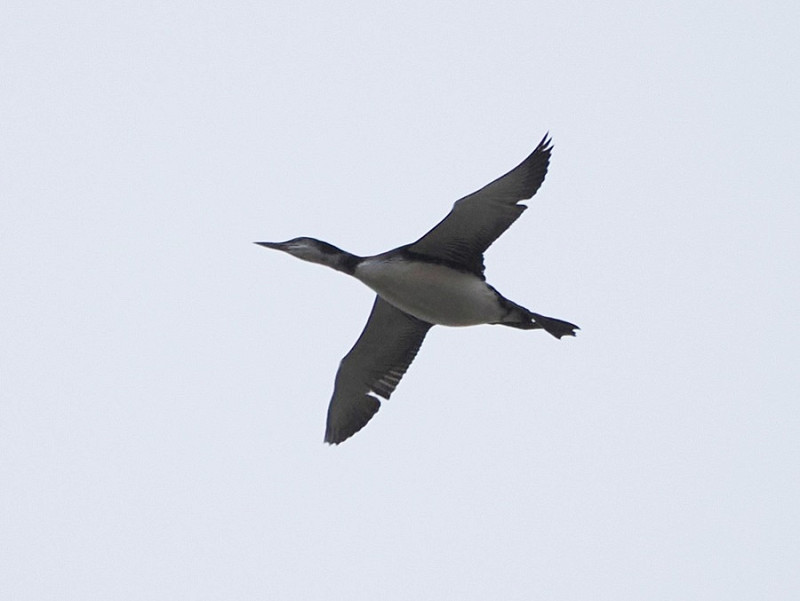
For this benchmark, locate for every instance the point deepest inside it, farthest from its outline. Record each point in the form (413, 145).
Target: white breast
(431, 292)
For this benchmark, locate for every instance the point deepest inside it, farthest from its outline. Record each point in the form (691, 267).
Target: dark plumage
(436, 280)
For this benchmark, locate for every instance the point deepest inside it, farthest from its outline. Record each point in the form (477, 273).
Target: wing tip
(546, 144)
(341, 427)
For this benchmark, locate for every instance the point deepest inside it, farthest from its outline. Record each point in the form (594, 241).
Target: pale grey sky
(164, 382)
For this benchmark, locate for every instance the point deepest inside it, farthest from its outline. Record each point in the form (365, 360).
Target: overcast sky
(164, 382)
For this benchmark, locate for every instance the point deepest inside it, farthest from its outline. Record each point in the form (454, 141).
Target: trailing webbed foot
(555, 327)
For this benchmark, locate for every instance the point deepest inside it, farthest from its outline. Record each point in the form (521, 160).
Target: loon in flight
(436, 280)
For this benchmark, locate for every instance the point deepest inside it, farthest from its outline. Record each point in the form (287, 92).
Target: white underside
(432, 293)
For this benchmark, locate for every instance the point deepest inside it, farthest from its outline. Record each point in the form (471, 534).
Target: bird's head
(314, 251)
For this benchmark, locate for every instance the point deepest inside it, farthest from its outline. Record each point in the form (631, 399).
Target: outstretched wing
(477, 220)
(375, 364)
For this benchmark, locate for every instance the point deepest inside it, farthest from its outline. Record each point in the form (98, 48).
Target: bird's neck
(343, 261)
(335, 258)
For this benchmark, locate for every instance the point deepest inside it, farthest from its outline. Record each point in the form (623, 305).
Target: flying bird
(437, 280)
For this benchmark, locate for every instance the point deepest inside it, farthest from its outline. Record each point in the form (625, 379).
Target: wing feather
(478, 219)
(375, 364)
